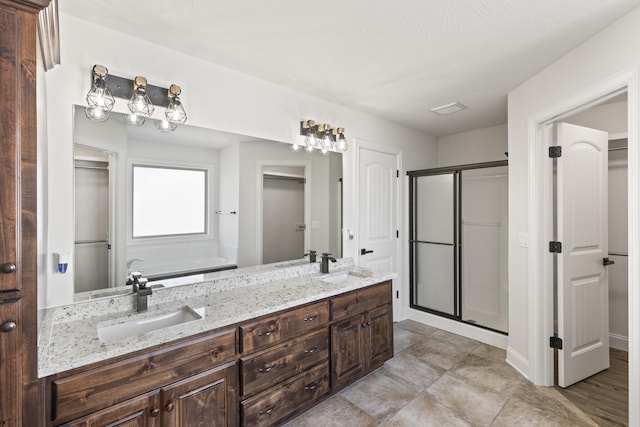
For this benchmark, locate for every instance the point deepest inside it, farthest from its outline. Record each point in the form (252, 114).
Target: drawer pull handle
(310, 318)
(267, 333)
(266, 411)
(311, 349)
(8, 327)
(311, 386)
(265, 370)
(155, 412)
(169, 407)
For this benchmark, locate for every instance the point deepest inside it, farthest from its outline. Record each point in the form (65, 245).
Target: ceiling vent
(445, 110)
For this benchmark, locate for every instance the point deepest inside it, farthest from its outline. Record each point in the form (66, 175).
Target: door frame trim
(540, 223)
(399, 304)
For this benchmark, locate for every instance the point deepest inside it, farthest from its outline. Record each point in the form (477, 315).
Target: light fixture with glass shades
(321, 137)
(142, 99)
(99, 99)
(175, 111)
(140, 105)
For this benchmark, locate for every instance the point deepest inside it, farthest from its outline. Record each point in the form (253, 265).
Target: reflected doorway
(92, 245)
(283, 213)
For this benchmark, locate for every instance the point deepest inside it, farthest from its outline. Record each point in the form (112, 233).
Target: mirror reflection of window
(169, 201)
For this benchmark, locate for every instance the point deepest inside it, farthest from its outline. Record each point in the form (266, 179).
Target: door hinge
(555, 342)
(555, 247)
(397, 294)
(555, 151)
(397, 234)
(397, 173)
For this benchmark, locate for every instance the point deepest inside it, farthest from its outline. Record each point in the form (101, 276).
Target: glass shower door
(433, 242)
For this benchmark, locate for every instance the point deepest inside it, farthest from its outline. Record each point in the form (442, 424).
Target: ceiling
(392, 59)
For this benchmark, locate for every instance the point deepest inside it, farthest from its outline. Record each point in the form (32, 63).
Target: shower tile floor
(441, 379)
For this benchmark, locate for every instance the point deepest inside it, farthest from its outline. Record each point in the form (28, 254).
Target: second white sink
(137, 326)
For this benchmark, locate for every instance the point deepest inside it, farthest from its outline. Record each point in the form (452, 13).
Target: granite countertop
(68, 335)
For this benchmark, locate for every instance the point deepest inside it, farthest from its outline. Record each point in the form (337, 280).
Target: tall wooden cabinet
(18, 256)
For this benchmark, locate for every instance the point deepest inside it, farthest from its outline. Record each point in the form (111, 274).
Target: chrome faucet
(324, 265)
(140, 288)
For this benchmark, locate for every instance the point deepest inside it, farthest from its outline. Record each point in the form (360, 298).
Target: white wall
(228, 201)
(215, 97)
(609, 54)
(476, 146)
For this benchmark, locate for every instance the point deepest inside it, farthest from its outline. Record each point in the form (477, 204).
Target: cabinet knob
(8, 268)
(8, 327)
(169, 407)
(155, 412)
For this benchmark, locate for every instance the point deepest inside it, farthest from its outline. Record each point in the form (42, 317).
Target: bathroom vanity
(268, 345)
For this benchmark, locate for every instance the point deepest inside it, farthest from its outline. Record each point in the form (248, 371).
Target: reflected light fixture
(134, 119)
(140, 104)
(100, 102)
(175, 111)
(165, 126)
(321, 137)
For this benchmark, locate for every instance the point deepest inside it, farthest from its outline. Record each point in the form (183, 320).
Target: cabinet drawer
(271, 406)
(275, 365)
(272, 330)
(99, 388)
(361, 300)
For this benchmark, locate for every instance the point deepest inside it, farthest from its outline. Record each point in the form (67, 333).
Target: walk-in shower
(458, 243)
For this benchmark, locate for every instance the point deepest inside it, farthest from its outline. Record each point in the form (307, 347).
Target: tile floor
(441, 379)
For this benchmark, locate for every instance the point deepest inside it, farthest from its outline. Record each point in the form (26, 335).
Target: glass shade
(327, 142)
(165, 126)
(99, 101)
(140, 104)
(175, 112)
(310, 141)
(133, 119)
(341, 144)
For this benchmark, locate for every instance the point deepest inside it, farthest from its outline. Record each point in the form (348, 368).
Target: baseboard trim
(479, 334)
(619, 342)
(518, 362)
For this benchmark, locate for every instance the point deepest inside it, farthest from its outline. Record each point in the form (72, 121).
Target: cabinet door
(379, 336)
(207, 399)
(347, 346)
(142, 411)
(10, 363)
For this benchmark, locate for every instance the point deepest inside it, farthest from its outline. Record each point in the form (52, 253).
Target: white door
(582, 227)
(378, 206)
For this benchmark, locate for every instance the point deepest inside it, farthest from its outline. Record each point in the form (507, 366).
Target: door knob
(364, 252)
(8, 327)
(607, 261)
(8, 268)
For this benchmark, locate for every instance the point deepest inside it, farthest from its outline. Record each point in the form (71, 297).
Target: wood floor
(604, 396)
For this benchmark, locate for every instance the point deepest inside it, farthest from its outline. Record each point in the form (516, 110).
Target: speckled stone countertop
(68, 336)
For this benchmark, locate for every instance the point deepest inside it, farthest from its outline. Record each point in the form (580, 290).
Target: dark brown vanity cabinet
(291, 370)
(362, 333)
(19, 386)
(258, 373)
(197, 379)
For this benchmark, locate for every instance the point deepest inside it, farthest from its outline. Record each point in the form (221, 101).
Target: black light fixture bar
(121, 87)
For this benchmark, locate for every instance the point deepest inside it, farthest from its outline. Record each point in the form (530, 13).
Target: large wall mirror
(193, 200)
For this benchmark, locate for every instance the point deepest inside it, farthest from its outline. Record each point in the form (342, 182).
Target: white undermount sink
(335, 277)
(140, 325)
(341, 276)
